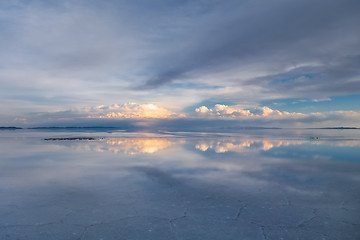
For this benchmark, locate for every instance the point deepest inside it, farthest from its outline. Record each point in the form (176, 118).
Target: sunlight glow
(139, 111)
(131, 146)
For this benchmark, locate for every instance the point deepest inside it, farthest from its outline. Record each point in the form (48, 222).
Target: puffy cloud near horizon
(237, 111)
(149, 115)
(136, 111)
(263, 116)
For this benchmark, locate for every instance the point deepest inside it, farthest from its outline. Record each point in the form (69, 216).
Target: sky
(198, 63)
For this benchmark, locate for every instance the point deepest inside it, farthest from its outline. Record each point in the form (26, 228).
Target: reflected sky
(338, 149)
(228, 181)
(135, 145)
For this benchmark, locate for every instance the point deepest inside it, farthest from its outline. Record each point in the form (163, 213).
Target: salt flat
(251, 185)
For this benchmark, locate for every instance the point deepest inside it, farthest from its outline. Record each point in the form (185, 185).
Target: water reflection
(131, 146)
(136, 187)
(136, 145)
(225, 145)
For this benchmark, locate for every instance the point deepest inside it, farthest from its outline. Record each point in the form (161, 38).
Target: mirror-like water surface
(272, 184)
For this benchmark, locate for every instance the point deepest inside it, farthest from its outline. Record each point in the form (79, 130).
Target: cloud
(313, 100)
(136, 111)
(259, 51)
(237, 116)
(237, 111)
(145, 116)
(127, 115)
(68, 54)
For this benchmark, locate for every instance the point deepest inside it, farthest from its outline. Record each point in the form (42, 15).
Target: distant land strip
(336, 128)
(71, 139)
(96, 127)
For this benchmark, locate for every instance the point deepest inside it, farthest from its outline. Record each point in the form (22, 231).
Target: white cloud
(150, 115)
(237, 111)
(136, 111)
(202, 109)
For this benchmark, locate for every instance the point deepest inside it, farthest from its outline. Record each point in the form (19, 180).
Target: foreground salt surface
(180, 186)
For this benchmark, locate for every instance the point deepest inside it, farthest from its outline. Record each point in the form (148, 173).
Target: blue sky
(268, 63)
(306, 105)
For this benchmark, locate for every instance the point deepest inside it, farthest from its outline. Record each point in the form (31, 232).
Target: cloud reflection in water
(270, 181)
(131, 146)
(224, 146)
(152, 145)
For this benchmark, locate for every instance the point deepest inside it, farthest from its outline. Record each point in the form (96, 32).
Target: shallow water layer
(271, 184)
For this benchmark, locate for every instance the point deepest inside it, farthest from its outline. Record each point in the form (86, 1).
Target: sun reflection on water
(154, 145)
(131, 146)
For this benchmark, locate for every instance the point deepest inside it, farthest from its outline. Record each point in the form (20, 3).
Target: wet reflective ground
(272, 184)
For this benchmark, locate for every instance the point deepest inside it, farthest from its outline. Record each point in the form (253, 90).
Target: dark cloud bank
(318, 38)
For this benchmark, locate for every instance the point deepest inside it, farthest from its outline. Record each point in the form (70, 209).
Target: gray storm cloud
(280, 38)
